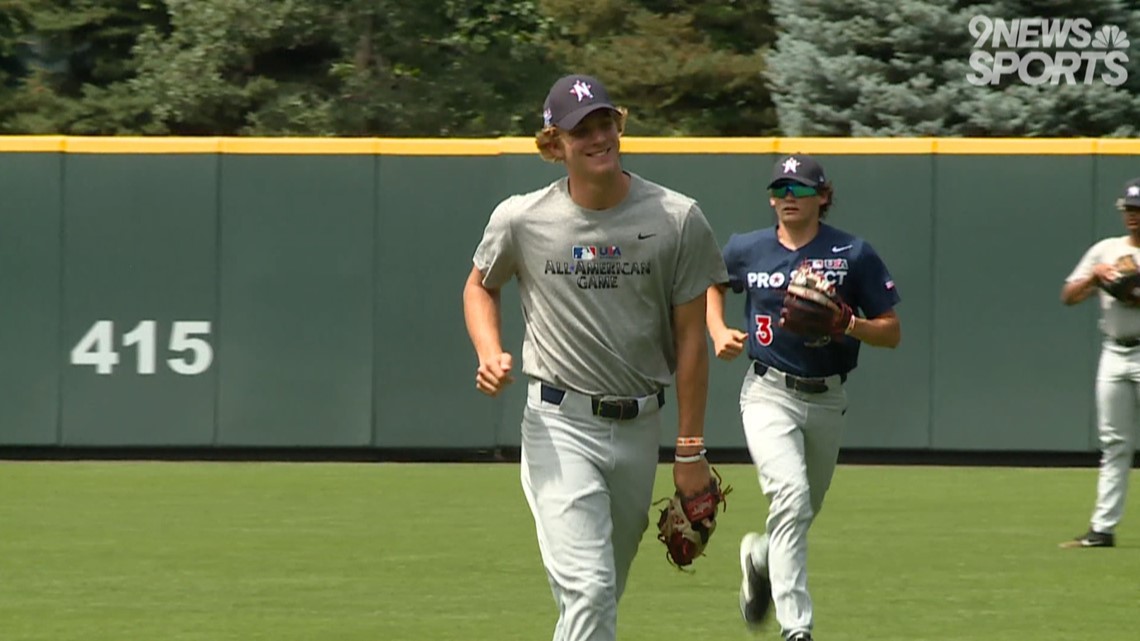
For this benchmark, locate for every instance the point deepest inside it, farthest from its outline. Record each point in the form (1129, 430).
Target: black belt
(798, 383)
(1127, 342)
(619, 409)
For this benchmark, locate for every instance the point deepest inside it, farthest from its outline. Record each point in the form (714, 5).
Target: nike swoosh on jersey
(644, 236)
(836, 250)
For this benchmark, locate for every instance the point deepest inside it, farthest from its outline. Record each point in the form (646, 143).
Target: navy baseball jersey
(760, 266)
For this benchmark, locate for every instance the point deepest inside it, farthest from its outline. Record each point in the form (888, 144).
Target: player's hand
(1105, 273)
(691, 478)
(494, 374)
(729, 343)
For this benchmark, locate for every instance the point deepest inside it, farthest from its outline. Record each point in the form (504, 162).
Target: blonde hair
(548, 137)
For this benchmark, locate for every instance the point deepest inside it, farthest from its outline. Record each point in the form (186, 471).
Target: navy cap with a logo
(1131, 196)
(573, 98)
(798, 168)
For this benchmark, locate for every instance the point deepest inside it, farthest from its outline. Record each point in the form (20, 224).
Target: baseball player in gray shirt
(612, 271)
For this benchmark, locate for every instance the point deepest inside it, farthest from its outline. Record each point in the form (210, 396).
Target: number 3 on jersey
(764, 329)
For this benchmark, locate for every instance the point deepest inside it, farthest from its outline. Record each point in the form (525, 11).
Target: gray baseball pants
(794, 439)
(589, 483)
(1117, 395)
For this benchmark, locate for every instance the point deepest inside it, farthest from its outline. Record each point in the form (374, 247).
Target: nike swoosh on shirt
(836, 250)
(644, 236)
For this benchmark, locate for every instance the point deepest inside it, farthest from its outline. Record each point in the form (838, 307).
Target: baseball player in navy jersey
(792, 401)
(612, 272)
(1118, 373)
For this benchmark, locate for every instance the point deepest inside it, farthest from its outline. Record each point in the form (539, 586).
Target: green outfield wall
(307, 292)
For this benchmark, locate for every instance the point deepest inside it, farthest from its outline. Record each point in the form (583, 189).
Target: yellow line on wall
(138, 145)
(525, 145)
(31, 143)
(1117, 146)
(442, 146)
(299, 146)
(1015, 146)
(854, 145)
(641, 145)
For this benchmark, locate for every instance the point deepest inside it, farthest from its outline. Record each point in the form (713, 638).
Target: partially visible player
(612, 272)
(1118, 373)
(792, 400)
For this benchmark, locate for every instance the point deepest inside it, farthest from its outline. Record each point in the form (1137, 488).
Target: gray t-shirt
(1117, 319)
(598, 287)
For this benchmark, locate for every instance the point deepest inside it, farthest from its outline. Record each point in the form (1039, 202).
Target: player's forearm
(714, 312)
(879, 332)
(481, 311)
(1077, 291)
(692, 370)
(692, 389)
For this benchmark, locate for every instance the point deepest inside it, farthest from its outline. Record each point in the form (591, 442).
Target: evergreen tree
(230, 67)
(353, 67)
(1014, 108)
(868, 67)
(15, 20)
(683, 68)
(71, 52)
(468, 68)
(884, 68)
(481, 67)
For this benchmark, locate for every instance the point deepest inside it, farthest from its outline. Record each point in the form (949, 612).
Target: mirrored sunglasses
(799, 191)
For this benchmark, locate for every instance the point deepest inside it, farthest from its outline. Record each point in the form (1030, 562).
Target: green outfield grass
(347, 552)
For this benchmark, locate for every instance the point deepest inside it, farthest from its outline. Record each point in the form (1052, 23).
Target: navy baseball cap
(573, 98)
(1131, 196)
(799, 168)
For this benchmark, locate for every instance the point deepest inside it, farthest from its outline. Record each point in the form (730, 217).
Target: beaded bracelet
(692, 458)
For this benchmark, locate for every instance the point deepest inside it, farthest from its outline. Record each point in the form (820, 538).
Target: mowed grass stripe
(236, 551)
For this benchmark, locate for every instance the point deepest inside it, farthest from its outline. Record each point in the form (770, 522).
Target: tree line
(479, 68)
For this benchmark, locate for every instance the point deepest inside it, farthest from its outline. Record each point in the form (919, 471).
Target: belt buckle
(796, 383)
(628, 405)
(806, 385)
(618, 409)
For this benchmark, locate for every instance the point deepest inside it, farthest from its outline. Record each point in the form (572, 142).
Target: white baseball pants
(589, 484)
(794, 439)
(1117, 395)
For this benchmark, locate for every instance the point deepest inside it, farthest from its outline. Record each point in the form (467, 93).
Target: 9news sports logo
(1040, 50)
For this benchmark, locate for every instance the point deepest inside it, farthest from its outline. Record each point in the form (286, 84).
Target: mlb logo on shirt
(816, 263)
(585, 252)
(890, 284)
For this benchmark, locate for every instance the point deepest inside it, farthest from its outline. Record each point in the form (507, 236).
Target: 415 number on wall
(188, 351)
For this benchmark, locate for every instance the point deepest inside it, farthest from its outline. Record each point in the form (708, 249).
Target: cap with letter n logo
(571, 99)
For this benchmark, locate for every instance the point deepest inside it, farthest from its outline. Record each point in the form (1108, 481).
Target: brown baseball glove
(1126, 286)
(687, 522)
(812, 307)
